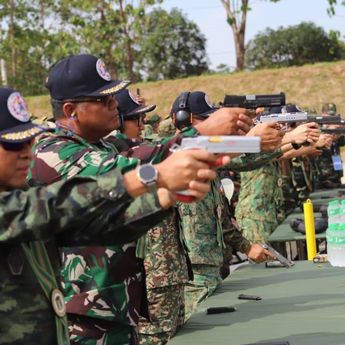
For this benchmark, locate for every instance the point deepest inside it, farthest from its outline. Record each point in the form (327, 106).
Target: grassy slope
(308, 86)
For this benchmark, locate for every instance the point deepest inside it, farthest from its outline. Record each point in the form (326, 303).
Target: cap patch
(132, 97)
(208, 102)
(102, 70)
(17, 107)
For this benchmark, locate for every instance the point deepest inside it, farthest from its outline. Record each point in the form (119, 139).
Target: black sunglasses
(103, 99)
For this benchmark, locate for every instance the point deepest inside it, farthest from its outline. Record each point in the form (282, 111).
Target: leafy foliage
(294, 45)
(172, 46)
(34, 34)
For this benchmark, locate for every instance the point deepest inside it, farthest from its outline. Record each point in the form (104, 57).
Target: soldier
(326, 176)
(201, 222)
(261, 193)
(132, 115)
(32, 309)
(163, 254)
(85, 110)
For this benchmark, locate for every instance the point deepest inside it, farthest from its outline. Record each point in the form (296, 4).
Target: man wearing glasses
(32, 308)
(132, 114)
(103, 285)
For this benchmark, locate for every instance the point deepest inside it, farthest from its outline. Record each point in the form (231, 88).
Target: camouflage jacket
(55, 213)
(202, 230)
(260, 193)
(252, 161)
(165, 259)
(301, 176)
(161, 248)
(246, 162)
(324, 167)
(100, 282)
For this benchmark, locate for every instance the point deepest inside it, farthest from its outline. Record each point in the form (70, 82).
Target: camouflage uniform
(166, 273)
(233, 238)
(324, 170)
(260, 195)
(290, 198)
(103, 286)
(58, 213)
(202, 231)
(148, 134)
(325, 175)
(302, 180)
(166, 128)
(147, 130)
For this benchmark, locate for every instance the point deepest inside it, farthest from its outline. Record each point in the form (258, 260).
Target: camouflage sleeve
(41, 212)
(251, 161)
(156, 152)
(62, 157)
(234, 238)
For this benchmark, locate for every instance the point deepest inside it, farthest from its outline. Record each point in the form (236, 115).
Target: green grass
(308, 86)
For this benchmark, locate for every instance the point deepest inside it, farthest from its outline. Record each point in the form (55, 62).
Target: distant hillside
(309, 86)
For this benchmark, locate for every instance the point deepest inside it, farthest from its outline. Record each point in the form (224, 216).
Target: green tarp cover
(304, 305)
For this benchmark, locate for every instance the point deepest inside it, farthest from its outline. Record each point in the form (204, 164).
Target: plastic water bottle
(336, 233)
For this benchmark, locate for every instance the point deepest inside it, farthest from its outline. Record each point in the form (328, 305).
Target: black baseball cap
(15, 123)
(198, 104)
(128, 107)
(82, 75)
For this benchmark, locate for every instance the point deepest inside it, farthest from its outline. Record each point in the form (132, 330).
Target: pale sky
(210, 16)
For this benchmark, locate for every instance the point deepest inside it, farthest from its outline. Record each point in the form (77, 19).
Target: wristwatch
(148, 175)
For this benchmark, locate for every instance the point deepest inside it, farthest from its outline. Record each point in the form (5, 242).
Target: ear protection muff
(183, 117)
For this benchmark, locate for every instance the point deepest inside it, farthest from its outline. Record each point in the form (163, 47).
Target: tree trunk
(128, 46)
(240, 50)
(12, 41)
(236, 13)
(3, 72)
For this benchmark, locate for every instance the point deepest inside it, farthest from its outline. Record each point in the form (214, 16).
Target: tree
(294, 45)
(332, 4)
(236, 16)
(31, 41)
(110, 29)
(34, 34)
(172, 46)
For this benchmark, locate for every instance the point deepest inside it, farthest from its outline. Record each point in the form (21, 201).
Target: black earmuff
(183, 117)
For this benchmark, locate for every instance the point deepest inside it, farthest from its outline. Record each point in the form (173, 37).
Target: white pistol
(219, 144)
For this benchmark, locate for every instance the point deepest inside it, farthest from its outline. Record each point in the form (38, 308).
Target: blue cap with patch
(128, 106)
(15, 123)
(82, 75)
(198, 104)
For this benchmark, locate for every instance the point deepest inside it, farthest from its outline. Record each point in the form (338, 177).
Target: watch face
(148, 173)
